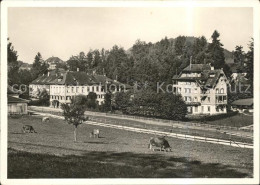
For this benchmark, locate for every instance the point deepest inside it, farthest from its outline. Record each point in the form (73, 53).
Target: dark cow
(28, 129)
(159, 142)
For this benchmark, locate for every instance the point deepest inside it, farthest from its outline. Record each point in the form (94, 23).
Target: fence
(156, 132)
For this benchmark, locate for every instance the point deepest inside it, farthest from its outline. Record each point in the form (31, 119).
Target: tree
(122, 101)
(172, 106)
(216, 51)
(13, 65)
(107, 102)
(91, 100)
(74, 113)
(250, 65)
(179, 45)
(199, 50)
(44, 98)
(39, 67)
(215, 54)
(239, 55)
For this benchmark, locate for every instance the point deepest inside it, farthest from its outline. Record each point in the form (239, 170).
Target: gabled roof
(74, 78)
(196, 68)
(12, 99)
(207, 79)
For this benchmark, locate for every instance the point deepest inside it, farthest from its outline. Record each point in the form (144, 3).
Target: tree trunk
(75, 133)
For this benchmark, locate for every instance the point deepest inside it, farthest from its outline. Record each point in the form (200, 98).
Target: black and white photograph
(128, 92)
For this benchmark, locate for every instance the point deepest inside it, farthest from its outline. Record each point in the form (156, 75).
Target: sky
(63, 32)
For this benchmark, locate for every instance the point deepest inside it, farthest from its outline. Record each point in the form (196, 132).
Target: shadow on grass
(112, 165)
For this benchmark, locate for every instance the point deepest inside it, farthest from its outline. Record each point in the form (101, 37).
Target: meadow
(52, 153)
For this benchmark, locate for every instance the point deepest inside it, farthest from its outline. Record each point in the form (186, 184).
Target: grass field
(51, 153)
(239, 120)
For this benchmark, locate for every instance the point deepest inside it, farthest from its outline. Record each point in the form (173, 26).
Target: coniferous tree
(13, 65)
(250, 65)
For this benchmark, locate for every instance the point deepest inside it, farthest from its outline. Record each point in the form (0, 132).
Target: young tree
(74, 112)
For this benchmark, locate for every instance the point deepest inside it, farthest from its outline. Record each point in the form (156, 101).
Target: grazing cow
(45, 119)
(28, 129)
(159, 142)
(94, 133)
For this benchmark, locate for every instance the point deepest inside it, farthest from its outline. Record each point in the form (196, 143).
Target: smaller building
(53, 62)
(243, 105)
(17, 105)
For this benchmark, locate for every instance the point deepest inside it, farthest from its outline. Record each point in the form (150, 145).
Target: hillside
(190, 39)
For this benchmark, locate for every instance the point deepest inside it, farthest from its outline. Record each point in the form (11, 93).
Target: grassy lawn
(195, 131)
(51, 153)
(238, 120)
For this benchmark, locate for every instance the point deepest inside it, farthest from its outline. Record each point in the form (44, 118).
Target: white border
(228, 3)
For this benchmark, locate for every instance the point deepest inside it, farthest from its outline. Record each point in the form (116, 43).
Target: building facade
(203, 89)
(62, 87)
(17, 105)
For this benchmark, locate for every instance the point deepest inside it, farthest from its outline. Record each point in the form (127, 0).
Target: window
(97, 88)
(77, 89)
(217, 90)
(202, 108)
(208, 99)
(196, 109)
(222, 91)
(208, 108)
(72, 89)
(195, 99)
(82, 89)
(195, 90)
(93, 89)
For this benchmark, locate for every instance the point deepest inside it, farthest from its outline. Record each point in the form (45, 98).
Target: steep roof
(74, 78)
(197, 68)
(12, 99)
(208, 78)
(247, 102)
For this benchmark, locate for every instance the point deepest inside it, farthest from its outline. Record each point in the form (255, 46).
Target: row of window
(70, 97)
(189, 90)
(219, 99)
(82, 89)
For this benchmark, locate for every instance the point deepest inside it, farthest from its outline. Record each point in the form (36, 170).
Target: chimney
(211, 68)
(77, 69)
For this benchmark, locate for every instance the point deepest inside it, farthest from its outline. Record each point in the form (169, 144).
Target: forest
(145, 64)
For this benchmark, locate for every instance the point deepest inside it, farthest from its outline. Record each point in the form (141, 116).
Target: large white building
(203, 89)
(64, 85)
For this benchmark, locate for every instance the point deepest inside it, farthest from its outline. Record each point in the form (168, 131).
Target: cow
(94, 133)
(159, 142)
(45, 119)
(28, 129)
